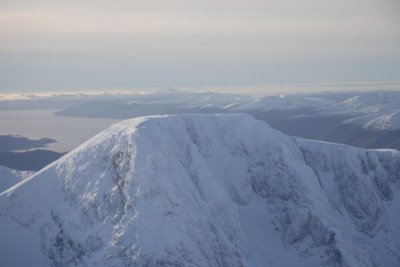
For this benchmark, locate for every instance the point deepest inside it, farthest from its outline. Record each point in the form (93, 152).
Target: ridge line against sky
(48, 45)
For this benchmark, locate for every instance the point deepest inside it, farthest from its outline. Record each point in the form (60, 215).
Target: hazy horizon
(254, 90)
(81, 45)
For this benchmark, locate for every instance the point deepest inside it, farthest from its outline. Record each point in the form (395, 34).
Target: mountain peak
(205, 190)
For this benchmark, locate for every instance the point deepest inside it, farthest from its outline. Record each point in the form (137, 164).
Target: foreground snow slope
(205, 190)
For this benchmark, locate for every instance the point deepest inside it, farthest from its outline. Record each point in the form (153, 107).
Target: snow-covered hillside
(205, 190)
(9, 177)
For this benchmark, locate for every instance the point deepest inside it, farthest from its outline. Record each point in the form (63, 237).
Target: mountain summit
(205, 190)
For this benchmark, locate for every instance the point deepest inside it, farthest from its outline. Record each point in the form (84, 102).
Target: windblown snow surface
(205, 190)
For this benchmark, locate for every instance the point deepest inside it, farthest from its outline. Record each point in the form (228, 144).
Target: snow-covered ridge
(205, 190)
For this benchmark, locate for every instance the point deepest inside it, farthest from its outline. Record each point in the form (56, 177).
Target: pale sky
(52, 45)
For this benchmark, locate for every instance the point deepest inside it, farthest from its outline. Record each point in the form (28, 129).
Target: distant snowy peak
(384, 101)
(372, 110)
(205, 190)
(385, 121)
(368, 102)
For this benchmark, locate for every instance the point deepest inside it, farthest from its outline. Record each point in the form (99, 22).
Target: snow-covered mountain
(205, 190)
(379, 111)
(10, 177)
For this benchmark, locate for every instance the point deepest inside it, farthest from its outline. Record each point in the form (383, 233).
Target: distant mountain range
(371, 110)
(363, 119)
(24, 154)
(11, 143)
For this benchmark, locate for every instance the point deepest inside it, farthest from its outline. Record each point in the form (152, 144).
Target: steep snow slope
(9, 177)
(205, 190)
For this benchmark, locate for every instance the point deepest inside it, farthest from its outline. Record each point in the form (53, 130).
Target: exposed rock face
(206, 190)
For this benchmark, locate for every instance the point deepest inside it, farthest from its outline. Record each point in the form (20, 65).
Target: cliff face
(205, 190)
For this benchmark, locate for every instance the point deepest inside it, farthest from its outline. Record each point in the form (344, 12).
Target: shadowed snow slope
(205, 190)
